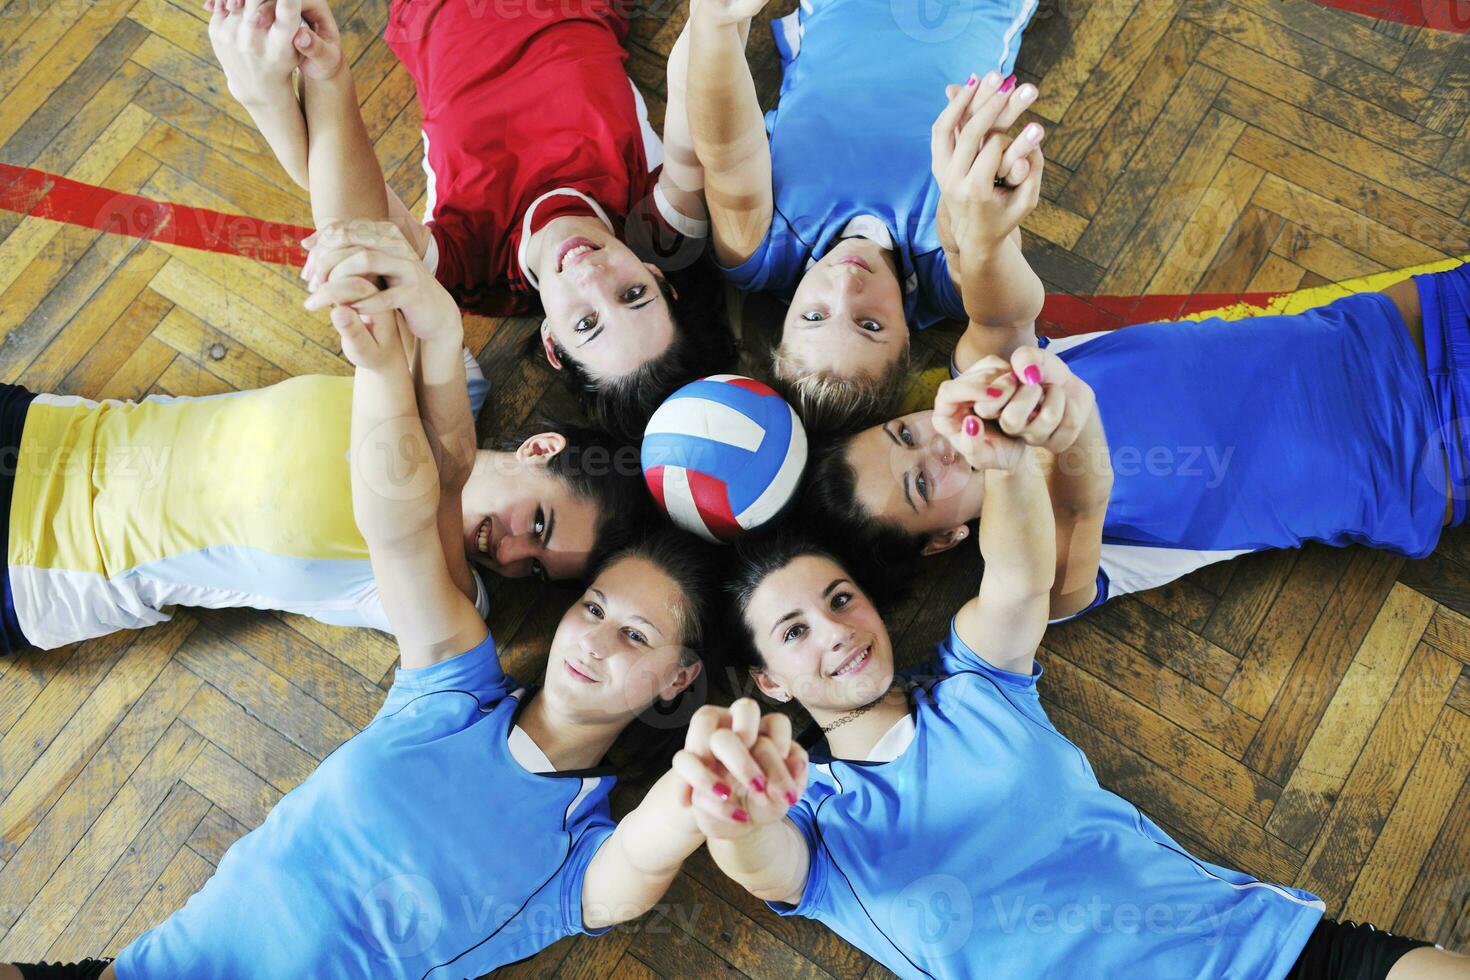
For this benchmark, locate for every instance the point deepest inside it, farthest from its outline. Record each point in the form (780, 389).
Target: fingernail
(973, 81)
(991, 78)
(993, 392)
(1032, 375)
(758, 784)
(790, 798)
(740, 816)
(1032, 132)
(972, 426)
(722, 791)
(1008, 84)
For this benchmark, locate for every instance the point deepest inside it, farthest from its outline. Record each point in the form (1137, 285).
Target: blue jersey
(1234, 436)
(419, 848)
(862, 82)
(986, 848)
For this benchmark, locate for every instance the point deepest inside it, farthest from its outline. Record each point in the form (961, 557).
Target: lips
(573, 250)
(854, 260)
(580, 675)
(855, 662)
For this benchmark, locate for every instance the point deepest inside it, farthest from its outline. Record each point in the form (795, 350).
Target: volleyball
(723, 455)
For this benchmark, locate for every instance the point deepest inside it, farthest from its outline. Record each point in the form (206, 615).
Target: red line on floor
(1442, 15)
(35, 192)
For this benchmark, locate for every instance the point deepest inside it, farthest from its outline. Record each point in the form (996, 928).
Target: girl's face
(520, 519)
(847, 314)
(820, 637)
(908, 475)
(603, 306)
(619, 648)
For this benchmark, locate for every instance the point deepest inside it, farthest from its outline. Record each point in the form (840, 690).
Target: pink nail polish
(993, 392)
(972, 426)
(758, 784)
(740, 816)
(973, 81)
(790, 798)
(1008, 84)
(722, 791)
(1032, 375)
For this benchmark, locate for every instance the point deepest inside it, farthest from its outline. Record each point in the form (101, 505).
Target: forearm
(345, 179)
(282, 123)
(444, 405)
(1082, 477)
(1017, 530)
(724, 113)
(639, 861)
(395, 484)
(998, 285)
(770, 862)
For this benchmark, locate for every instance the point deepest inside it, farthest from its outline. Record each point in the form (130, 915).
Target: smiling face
(820, 638)
(908, 475)
(603, 305)
(621, 645)
(847, 317)
(521, 519)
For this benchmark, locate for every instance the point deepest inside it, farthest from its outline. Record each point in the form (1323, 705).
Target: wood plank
(1421, 809)
(185, 379)
(1305, 92)
(263, 692)
(93, 791)
(1343, 147)
(1436, 905)
(1322, 256)
(254, 744)
(1303, 697)
(125, 883)
(214, 835)
(211, 169)
(233, 788)
(1449, 633)
(1244, 250)
(1187, 187)
(73, 749)
(1351, 35)
(58, 902)
(1161, 741)
(1277, 275)
(1092, 109)
(369, 652)
(1166, 642)
(217, 353)
(1088, 41)
(139, 372)
(1133, 119)
(1199, 244)
(202, 80)
(1351, 829)
(1348, 721)
(184, 876)
(1174, 130)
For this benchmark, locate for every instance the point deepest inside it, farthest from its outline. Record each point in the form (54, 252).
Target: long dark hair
(702, 345)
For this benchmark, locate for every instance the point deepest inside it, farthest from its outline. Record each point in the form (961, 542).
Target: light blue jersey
(1229, 437)
(986, 848)
(419, 848)
(862, 83)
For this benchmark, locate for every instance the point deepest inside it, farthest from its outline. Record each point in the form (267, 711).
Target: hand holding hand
(742, 770)
(348, 261)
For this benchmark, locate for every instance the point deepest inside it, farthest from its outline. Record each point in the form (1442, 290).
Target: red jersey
(523, 97)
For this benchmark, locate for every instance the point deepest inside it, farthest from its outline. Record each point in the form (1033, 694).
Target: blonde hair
(828, 402)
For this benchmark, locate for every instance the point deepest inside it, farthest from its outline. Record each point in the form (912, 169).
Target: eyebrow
(831, 587)
(598, 332)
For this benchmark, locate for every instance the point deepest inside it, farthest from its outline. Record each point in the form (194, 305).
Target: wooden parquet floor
(1303, 716)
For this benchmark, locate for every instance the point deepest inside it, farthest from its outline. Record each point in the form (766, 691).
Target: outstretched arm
(726, 127)
(1006, 620)
(979, 220)
(1059, 416)
(396, 498)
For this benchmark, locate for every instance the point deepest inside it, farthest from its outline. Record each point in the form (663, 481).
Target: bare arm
(1081, 486)
(727, 129)
(396, 499)
(636, 865)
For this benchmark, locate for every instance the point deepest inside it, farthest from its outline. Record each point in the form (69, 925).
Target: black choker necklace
(856, 713)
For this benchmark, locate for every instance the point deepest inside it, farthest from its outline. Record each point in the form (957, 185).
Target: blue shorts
(14, 402)
(1444, 301)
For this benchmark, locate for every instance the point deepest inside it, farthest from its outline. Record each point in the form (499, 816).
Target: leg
(1428, 963)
